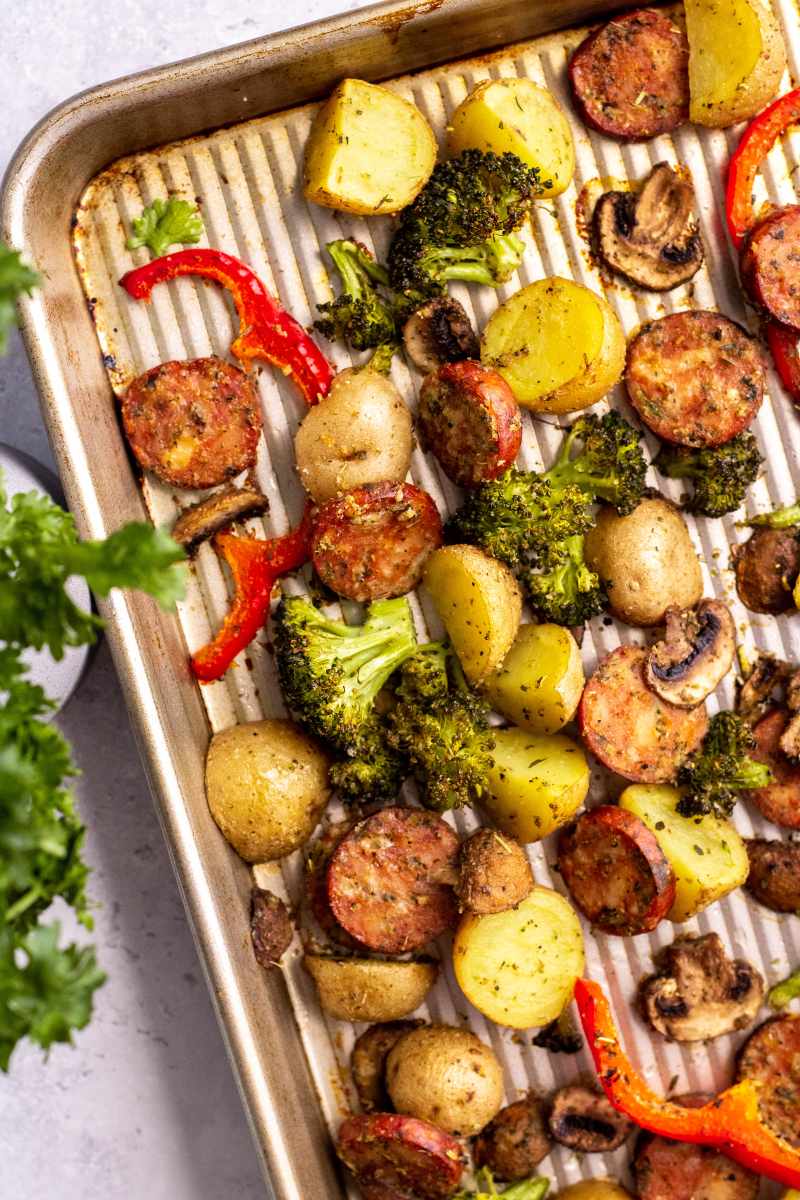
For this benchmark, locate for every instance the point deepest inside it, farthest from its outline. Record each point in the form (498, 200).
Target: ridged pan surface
(247, 181)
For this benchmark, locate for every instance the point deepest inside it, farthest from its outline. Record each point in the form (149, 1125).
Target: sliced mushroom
(439, 332)
(651, 237)
(700, 993)
(271, 927)
(790, 738)
(585, 1120)
(695, 655)
(755, 693)
(208, 516)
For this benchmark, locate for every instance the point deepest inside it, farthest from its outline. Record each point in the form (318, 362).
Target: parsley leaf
(16, 277)
(136, 556)
(166, 223)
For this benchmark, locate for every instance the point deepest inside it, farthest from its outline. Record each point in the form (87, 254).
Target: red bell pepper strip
(731, 1122)
(255, 565)
(266, 330)
(757, 141)
(784, 344)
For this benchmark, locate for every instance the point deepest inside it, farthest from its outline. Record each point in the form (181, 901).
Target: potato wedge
(517, 116)
(519, 967)
(369, 989)
(539, 685)
(707, 854)
(369, 151)
(557, 344)
(537, 783)
(594, 1189)
(479, 603)
(736, 59)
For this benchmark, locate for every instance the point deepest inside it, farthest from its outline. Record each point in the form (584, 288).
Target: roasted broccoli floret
(609, 465)
(361, 316)
(720, 475)
(713, 776)
(461, 225)
(779, 518)
(561, 587)
(441, 727)
(330, 674)
(533, 1188)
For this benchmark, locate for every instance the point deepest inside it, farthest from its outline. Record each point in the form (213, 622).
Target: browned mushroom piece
(754, 696)
(583, 1119)
(271, 927)
(789, 741)
(766, 568)
(494, 874)
(439, 332)
(213, 513)
(651, 237)
(695, 655)
(514, 1143)
(774, 878)
(368, 1062)
(700, 993)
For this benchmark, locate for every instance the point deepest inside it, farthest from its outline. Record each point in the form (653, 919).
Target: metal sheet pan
(58, 191)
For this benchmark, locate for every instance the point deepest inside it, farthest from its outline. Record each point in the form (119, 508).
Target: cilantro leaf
(136, 556)
(16, 277)
(166, 223)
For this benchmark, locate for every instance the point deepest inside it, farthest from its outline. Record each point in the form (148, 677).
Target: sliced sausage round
(771, 265)
(514, 1143)
(766, 567)
(630, 78)
(470, 421)
(667, 1170)
(271, 927)
(586, 1121)
(372, 542)
(390, 880)
(629, 728)
(394, 1151)
(695, 378)
(368, 1062)
(316, 882)
(774, 877)
(771, 1056)
(616, 872)
(779, 801)
(193, 424)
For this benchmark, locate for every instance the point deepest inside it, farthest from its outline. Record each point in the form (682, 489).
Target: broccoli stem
(785, 991)
(781, 518)
(353, 265)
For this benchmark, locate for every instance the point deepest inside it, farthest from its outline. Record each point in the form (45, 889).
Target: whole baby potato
(360, 433)
(446, 1076)
(646, 560)
(539, 685)
(267, 786)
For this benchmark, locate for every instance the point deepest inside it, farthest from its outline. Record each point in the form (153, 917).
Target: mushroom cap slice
(439, 332)
(214, 512)
(696, 653)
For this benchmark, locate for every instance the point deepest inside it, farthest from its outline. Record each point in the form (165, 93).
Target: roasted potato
(536, 784)
(446, 1076)
(707, 855)
(479, 603)
(557, 344)
(360, 433)
(594, 1189)
(267, 787)
(369, 151)
(370, 989)
(519, 967)
(539, 685)
(517, 116)
(736, 59)
(493, 873)
(646, 560)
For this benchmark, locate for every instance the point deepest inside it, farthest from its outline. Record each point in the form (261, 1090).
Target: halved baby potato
(369, 989)
(517, 116)
(537, 782)
(540, 682)
(369, 151)
(736, 59)
(557, 344)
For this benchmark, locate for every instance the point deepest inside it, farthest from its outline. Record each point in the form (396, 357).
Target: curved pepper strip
(757, 141)
(784, 343)
(266, 331)
(255, 565)
(731, 1122)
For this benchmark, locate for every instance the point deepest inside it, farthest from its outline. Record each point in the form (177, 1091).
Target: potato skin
(370, 989)
(539, 684)
(494, 873)
(750, 84)
(361, 432)
(267, 787)
(594, 1189)
(647, 561)
(446, 1076)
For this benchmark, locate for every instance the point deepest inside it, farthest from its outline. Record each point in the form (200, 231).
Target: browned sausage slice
(316, 882)
(193, 424)
(583, 1119)
(401, 1152)
(514, 1143)
(368, 1061)
(771, 265)
(616, 872)
(771, 1055)
(774, 877)
(630, 729)
(470, 421)
(390, 880)
(630, 78)
(779, 801)
(695, 378)
(372, 542)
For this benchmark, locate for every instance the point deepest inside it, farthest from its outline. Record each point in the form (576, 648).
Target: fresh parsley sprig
(166, 223)
(16, 278)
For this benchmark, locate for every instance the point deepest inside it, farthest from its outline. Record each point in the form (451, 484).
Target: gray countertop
(144, 1105)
